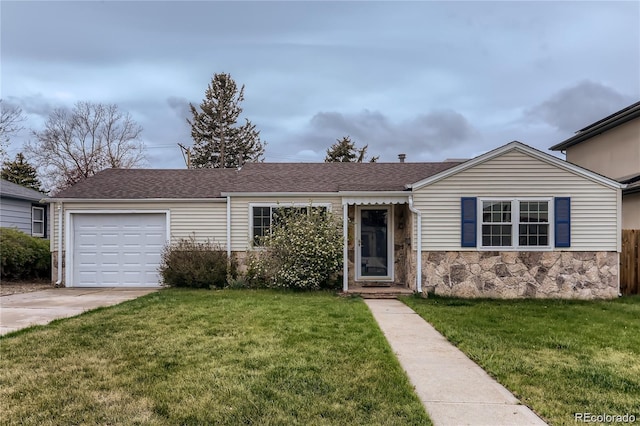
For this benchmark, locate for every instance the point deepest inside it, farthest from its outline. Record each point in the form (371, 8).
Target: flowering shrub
(190, 263)
(302, 251)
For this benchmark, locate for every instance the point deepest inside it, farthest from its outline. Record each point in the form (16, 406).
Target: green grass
(558, 357)
(208, 357)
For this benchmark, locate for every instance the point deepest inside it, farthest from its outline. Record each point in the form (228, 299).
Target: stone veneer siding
(506, 275)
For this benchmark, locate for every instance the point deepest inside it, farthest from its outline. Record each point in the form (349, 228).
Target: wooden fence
(630, 262)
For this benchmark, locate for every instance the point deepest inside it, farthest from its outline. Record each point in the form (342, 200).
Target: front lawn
(208, 357)
(558, 357)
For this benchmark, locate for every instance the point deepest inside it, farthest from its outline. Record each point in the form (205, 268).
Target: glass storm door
(374, 240)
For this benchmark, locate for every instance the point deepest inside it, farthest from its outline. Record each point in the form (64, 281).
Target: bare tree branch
(79, 143)
(11, 118)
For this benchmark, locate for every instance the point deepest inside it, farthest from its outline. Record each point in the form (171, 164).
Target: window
(37, 221)
(515, 224)
(534, 223)
(261, 223)
(262, 216)
(496, 223)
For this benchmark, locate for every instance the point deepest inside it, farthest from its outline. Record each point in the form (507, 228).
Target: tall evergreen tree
(345, 151)
(21, 172)
(219, 141)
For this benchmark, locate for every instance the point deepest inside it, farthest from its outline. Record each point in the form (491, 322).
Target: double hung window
(519, 223)
(37, 221)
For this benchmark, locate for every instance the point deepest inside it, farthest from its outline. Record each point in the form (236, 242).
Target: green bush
(302, 251)
(194, 264)
(23, 256)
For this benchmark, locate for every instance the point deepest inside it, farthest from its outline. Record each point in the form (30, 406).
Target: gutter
(135, 200)
(59, 282)
(229, 227)
(419, 245)
(345, 247)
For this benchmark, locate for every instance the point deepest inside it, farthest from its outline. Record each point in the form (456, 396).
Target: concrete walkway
(19, 311)
(454, 390)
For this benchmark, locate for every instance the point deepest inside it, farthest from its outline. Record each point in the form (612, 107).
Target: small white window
(37, 221)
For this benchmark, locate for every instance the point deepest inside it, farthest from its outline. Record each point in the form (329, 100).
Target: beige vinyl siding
(516, 174)
(53, 225)
(208, 221)
(240, 214)
(205, 220)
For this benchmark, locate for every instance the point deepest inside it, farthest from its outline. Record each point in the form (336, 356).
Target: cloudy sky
(434, 80)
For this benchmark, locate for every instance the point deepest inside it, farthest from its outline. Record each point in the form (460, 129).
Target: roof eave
(589, 133)
(133, 200)
(276, 194)
(373, 193)
(631, 188)
(21, 198)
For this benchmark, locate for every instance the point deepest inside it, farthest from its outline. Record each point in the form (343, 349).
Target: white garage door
(117, 250)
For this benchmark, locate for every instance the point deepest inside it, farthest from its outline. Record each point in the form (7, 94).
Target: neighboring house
(21, 208)
(611, 147)
(514, 222)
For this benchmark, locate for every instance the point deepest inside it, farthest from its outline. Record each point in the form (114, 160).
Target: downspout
(419, 244)
(59, 282)
(345, 247)
(228, 227)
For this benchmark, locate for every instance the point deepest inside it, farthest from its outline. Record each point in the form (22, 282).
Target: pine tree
(219, 142)
(345, 151)
(19, 171)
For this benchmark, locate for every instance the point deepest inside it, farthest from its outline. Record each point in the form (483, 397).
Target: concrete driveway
(19, 311)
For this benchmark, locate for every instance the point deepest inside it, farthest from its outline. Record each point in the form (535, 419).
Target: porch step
(378, 296)
(379, 292)
(375, 284)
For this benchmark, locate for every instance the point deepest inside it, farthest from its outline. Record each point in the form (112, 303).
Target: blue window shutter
(562, 211)
(468, 230)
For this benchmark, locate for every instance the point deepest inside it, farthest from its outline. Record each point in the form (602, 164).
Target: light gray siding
(594, 214)
(16, 214)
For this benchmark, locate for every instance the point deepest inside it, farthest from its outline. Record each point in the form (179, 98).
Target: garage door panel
(114, 250)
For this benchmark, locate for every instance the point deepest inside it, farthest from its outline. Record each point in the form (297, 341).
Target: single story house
(513, 222)
(22, 208)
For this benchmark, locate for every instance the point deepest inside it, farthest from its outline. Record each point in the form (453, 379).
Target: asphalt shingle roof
(13, 190)
(252, 177)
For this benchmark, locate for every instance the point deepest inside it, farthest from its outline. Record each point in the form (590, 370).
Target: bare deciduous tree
(11, 118)
(79, 143)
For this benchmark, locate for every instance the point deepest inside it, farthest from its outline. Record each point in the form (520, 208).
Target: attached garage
(116, 249)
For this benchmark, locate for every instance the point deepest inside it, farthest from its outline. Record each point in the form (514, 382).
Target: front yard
(208, 357)
(267, 357)
(558, 357)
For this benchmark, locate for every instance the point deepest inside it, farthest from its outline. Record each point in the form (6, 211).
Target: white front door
(374, 250)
